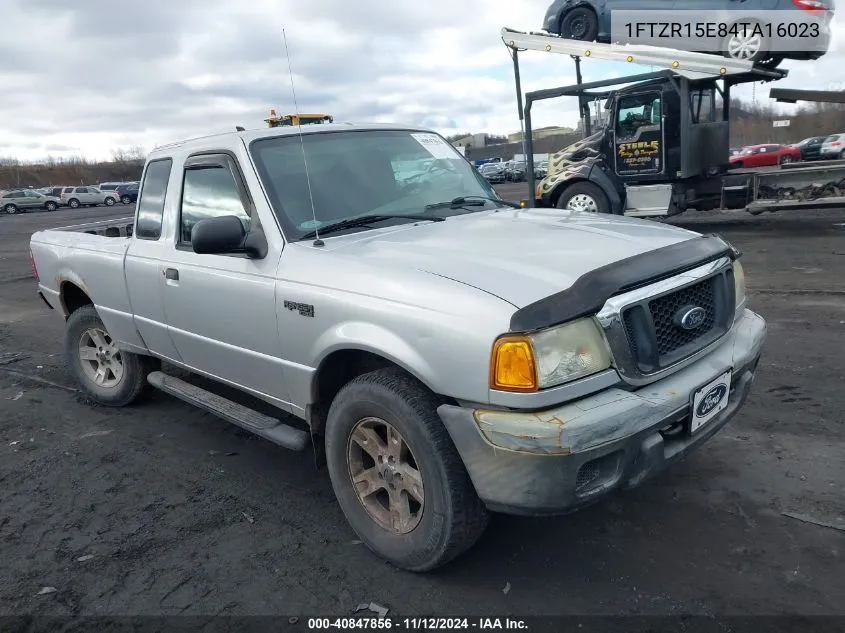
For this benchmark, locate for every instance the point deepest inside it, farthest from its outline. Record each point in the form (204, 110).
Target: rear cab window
(150, 208)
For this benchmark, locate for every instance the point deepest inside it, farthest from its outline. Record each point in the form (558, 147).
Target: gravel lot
(162, 509)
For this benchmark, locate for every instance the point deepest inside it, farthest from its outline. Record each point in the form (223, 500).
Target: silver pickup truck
(446, 353)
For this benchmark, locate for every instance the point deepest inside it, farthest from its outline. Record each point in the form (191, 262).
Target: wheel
(11, 209)
(746, 43)
(109, 202)
(73, 203)
(105, 373)
(784, 160)
(396, 474)
(51, 206)
(126, 200)
(580, 23)
(584, 196)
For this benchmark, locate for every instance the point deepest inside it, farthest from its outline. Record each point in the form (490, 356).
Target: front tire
(109, 202)
(397, 475)
(126, 200)
(105, 374)
(73, 203)
(51, 206)
(584, 197)
(10, 209)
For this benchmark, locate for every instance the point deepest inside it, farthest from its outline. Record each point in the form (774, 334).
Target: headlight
(739, 286)
(548, 358)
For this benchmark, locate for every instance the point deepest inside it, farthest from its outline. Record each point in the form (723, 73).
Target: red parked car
(765, 155)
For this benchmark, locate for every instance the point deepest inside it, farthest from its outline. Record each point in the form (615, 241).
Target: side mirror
(226, 234)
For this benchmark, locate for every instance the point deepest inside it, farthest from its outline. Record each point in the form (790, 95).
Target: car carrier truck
(666, 145)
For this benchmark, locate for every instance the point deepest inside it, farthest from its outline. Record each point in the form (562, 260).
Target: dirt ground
(162, 509)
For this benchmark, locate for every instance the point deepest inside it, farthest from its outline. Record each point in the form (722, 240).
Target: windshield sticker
(436, 146)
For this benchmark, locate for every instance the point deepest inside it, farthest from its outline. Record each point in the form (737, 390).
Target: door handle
(171, 274)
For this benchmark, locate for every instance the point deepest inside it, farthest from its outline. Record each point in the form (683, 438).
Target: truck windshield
(362, 172)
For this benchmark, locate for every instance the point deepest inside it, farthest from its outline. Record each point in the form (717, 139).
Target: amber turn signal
(512, 366)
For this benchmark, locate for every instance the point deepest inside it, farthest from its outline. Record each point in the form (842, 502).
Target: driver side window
(209, 191)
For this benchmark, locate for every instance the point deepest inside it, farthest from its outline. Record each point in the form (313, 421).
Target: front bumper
(559, 460)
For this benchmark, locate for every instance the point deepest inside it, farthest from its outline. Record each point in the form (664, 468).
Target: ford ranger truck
(446, 353)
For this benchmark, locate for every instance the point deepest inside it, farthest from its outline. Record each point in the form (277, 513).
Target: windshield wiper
(364, 220)
(470, 201)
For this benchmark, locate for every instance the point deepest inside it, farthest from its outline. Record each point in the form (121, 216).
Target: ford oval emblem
(711, 400)
(690, 317)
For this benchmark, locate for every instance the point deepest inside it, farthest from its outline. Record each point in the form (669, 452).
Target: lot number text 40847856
(417, 624)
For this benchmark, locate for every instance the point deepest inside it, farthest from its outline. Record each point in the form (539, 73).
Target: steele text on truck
(449, 355)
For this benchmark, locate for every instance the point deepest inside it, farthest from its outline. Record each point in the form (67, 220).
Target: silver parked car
(16, 200)
(833, 147)
(76, 197)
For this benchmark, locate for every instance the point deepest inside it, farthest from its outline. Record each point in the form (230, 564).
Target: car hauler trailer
(665, 147)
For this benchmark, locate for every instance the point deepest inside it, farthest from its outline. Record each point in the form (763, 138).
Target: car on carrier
(590, 20)
(444, 353)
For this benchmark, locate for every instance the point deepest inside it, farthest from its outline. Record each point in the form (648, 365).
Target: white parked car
(76, 197)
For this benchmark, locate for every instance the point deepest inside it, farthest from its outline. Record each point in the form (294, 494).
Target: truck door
(142, 265)
(221, 309)
(638, 135)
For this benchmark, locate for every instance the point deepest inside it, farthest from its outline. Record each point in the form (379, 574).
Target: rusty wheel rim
(385, 475)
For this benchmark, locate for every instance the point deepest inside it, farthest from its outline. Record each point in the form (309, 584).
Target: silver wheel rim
(787, 159)
(385, 476)
(100, 358)
(582, 202)
(11, 210)
(74, 204)
(109, 202)
(740, 47)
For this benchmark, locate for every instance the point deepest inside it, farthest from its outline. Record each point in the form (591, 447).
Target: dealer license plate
(708, 401)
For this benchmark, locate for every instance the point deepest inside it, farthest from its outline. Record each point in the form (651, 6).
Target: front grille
(654, 336)
(669, 336)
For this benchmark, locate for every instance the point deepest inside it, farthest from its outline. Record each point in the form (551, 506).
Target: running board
(262, 425)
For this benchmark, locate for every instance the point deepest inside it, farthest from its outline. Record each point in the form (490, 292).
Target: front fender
(612, 187)
(378, 340)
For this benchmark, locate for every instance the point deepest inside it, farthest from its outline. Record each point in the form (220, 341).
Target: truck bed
(81, 253)
(116, 227)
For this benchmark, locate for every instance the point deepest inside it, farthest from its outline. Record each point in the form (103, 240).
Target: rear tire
(51, 206)
(124, 375)
(11, 209)
(584, 197)
(580, 24)
(450, 518)
(109, 202)
(73, 203)
(126, 200)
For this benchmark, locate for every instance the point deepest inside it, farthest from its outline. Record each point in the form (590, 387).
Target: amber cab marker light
(512, 366)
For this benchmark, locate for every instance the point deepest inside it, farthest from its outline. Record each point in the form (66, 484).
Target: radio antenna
(317, 240)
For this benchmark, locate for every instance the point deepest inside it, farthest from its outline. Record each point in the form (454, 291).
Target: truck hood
(518, 255)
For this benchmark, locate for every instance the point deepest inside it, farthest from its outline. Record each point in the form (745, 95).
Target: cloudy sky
(88, 76)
